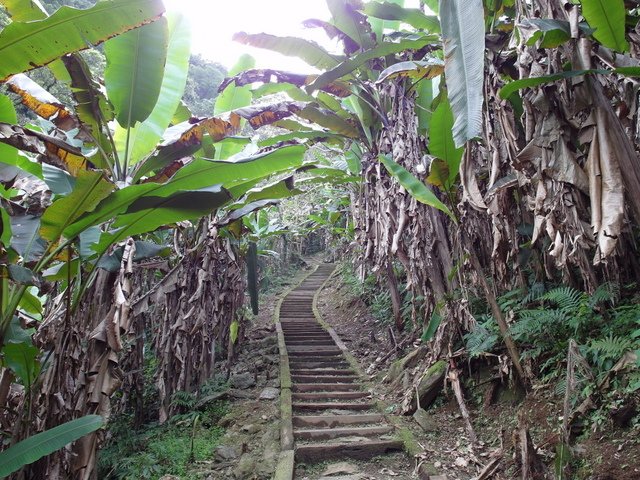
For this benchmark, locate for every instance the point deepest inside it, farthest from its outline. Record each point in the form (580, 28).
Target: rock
(430, 385)
(245, 468)
(267, 341)
(357, 476)
(269, 393)
(251, 428)
(340, 469)
(225, 453)
(271, 359)
(353, 439)
(239, 394)
(461, 462)
(227, 420)
(408, 361)
(425, 420)
(242, 380)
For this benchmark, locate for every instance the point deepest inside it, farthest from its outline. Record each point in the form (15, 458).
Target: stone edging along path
(325, 412)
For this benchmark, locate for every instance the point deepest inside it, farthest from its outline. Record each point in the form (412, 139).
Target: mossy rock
(408, 361)
(430, 385)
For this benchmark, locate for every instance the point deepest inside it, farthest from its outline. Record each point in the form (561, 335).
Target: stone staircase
(332, 416)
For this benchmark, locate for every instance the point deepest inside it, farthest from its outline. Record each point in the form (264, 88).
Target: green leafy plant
(42, 444)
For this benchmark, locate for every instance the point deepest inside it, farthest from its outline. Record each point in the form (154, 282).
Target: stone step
(348, 406)
(331, 421)
(306, 333)
(311, 342)
(314, 352)
(303, 329)
(330, 433)
(317, 329)
(362, 450)
(325, 387)
(320, 396)
(324, 378)
(322, 362)
(303, 337)
(323, 371)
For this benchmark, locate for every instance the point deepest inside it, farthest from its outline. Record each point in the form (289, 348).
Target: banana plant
(344, 105)
(116, 163)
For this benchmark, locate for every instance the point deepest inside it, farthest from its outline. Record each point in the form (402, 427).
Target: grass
(159, 450)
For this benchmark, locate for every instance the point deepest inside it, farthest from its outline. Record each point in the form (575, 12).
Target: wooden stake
(457, 389)
(502, 324)
(490, 468)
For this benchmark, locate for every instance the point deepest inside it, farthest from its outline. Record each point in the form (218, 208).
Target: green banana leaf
(512, 87)
(25, 238)
(411, 184)
(25, 46)
(329, 120)
(135, 67)
(194, 176)
(144, 137)
(90, 189)
(413, 69)
(382, 50)
(424, 100)
(42, 444)
(21, 11)
(463, 37)
(411, 16)
(92, 106)
(274, 191)
(232, 98)
(201, 173)
(150, 212)
(607, 17)
(306, 50)
(8, 154)
(550, 32)
(380, 25)
(441, 142)
(353, 23)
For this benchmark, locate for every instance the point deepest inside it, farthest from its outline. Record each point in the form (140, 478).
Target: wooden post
(454, 378)
(502, 324)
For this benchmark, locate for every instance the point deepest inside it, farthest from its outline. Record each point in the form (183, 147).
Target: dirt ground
(445, 444)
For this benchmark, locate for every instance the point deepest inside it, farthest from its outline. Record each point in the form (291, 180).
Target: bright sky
(215, 21)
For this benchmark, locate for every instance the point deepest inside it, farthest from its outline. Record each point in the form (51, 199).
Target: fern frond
(607, 292)
(566, 298)
(534, 323)
(611, 347)
(480, 340)
(509, 299)
(535, 292)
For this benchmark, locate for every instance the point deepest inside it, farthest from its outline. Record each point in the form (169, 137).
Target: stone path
(327, 415)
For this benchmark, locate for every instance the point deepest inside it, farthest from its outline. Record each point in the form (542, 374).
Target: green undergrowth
(169, 449)
(157, 450)
(605, 326)
(375, 295)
